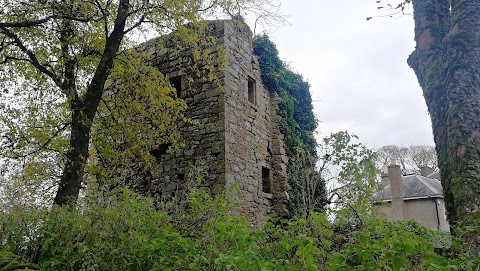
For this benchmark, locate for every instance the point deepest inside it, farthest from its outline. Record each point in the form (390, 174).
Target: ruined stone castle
(234, 137)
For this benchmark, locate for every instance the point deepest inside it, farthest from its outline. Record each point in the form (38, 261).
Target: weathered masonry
(234, 137)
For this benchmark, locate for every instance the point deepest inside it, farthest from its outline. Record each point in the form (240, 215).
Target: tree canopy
(410, 158)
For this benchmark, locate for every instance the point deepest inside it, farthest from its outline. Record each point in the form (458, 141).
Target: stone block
(280, 167)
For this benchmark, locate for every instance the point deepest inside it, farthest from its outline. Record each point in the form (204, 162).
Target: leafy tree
(56, 59)
(349, 167)
(385, 153)
(446, 61)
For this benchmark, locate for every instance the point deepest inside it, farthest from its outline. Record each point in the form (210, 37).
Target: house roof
(414, 187)
(435, 175)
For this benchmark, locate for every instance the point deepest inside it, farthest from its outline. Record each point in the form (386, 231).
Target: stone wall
(234, 137)
(204, 134)
(254, 145)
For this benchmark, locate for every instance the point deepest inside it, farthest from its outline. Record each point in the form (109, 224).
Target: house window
(251, 90)
(266, 180)
(176, 83)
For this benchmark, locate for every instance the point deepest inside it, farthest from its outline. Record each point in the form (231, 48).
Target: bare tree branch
(44, 145)
(33, 58)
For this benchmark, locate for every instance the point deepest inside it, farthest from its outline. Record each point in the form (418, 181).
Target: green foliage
(10, 262)
(33, 138)
(120, 230)
(384, 246)
(138, 112)
(296, 108)
(351, 166)
(298, 121)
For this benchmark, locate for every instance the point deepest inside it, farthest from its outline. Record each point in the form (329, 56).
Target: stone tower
(234, 137)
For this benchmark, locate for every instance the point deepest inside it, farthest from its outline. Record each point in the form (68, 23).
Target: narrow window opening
(251, 90)
(266, 180)
(160, 150)
(176, 83)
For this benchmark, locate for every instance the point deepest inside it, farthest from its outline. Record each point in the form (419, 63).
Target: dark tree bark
(83, 113)
(61, 19)
(447, 64)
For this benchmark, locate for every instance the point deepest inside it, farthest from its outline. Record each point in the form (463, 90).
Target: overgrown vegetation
(120, 230)
(298, 121)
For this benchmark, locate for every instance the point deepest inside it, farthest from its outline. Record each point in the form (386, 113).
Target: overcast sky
(358, 71)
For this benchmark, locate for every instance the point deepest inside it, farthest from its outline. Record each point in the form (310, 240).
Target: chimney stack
(396, 188)
(425, 171)
(384, 176)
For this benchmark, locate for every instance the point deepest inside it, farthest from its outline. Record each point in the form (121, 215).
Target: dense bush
(123, 231)
(11, 262)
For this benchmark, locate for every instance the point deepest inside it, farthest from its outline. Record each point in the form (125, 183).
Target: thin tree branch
(135, 25)
(109, 110)
(10, 58)
(27, 23)
(44, 145)
(349, 206)
(33, 58)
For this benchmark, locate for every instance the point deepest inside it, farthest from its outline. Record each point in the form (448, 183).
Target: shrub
(121, 230)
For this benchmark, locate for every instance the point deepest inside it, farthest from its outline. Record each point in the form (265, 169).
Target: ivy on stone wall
(298, 121)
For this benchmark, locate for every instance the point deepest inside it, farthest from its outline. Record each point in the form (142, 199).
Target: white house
(413, 197)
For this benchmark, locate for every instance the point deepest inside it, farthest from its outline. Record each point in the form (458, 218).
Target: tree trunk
(83, 113)
(76, 158)
(447, 64)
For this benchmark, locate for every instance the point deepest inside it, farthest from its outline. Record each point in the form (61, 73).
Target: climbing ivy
(298, 121)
